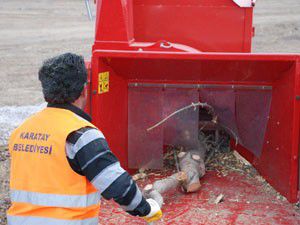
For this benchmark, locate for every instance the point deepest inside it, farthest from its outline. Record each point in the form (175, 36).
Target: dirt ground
(31, 31)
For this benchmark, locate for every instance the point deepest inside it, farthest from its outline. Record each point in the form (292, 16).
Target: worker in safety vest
(61, 164)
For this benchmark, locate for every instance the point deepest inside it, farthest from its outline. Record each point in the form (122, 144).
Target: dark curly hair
(63, 78)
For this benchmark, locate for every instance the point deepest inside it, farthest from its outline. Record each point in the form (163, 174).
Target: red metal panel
(114, 21)
(295, 177)
(122, 27)
(279, 159)
(282, 134)
(295, 136)
(183, 67)
(88, 103)
(213, 26)
(249, 31)
(109, 110)
(278, 162)
(210, 26)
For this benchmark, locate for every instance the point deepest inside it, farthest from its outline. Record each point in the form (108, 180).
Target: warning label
(103, 82)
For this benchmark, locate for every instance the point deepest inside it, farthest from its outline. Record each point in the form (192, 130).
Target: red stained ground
(246, 201)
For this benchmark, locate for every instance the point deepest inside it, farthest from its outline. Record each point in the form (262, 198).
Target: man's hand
(155, 213)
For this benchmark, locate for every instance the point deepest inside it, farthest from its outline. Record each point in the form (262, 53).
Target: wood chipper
(152, 57)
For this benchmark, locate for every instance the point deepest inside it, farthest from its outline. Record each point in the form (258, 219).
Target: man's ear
(84, 91)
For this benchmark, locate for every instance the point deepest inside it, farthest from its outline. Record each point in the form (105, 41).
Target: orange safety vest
(44, 188)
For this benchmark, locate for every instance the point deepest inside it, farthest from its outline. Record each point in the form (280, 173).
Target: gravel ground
(32, 32)
(12, 116)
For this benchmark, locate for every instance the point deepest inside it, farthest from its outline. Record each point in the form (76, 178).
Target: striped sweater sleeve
(89, 155)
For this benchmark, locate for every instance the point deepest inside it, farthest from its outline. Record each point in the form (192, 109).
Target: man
(61, 163)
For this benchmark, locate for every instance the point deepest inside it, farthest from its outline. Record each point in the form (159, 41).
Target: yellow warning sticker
(103, 82)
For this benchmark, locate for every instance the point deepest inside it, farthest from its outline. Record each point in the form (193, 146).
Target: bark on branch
(193, 105)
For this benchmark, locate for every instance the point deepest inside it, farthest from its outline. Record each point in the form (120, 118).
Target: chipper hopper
(153, 57)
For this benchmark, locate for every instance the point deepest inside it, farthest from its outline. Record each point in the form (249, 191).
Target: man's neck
(73, 108)
(77, 104)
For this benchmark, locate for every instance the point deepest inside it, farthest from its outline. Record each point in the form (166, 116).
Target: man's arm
(89, 155)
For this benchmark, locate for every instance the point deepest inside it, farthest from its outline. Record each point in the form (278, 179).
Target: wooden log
(150, 192)
(192, 164)
(159, 187)
(139, 176)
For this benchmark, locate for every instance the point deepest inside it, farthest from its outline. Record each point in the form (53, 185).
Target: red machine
(152, 56)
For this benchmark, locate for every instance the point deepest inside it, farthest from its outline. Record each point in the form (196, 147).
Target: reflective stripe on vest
(25, 220)
(54, 200)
